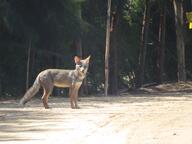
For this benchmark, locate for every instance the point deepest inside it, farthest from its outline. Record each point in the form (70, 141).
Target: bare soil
(129, 119)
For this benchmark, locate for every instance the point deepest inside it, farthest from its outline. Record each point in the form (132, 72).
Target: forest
(150, 42)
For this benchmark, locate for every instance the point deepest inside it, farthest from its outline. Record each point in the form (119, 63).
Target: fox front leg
(76, 98)
(71, 96)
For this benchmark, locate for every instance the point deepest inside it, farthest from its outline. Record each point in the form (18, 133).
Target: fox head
(82, 65)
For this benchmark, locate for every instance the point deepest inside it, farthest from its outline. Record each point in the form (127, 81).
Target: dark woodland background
(145, 35)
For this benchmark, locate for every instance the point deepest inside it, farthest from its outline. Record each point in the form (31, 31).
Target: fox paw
(47, 107)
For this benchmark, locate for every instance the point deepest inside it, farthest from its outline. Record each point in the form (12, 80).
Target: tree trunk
(161, 43)
(113, 73)
(0, 81)
(28, 65)
(78, 45)
(143, 45)
(107, 49)
(78, 42)
(178, 9)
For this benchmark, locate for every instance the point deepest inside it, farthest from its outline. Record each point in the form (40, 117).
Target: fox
(63, 78)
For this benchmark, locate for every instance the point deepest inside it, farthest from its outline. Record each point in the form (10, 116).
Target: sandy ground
(129, 119)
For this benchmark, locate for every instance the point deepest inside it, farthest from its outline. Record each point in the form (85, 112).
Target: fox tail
(30, 92)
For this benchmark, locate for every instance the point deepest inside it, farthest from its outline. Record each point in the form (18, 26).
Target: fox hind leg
(47, 84)
(46, 94)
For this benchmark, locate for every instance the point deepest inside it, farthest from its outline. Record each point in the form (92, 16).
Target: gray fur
(49, 78)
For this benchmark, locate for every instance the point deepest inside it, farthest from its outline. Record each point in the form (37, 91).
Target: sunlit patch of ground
(129, 119)
(169, 87)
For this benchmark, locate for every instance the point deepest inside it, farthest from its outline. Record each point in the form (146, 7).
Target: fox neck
(79, 75)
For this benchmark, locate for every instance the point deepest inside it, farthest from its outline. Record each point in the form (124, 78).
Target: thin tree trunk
(0, 81)
(28, 65)
(107, 49)
(78, 42)
(143, 45)
(161, 43)
(178, 9)
(113, 71)
(78, 45)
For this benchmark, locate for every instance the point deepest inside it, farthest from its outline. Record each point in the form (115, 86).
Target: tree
(113, 61)
(161, 42)
(143, 45)
(116, 15)
(107, 48)
(178, 9)
(28, 65)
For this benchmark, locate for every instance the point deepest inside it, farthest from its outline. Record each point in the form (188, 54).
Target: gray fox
(49, 78)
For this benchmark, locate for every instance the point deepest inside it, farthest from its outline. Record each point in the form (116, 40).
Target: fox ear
(88, 58)
(77, 59)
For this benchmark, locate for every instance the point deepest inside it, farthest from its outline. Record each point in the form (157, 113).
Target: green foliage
(131, 10)
(52, 26)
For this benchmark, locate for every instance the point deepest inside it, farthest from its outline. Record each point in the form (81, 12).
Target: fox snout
(82, 70)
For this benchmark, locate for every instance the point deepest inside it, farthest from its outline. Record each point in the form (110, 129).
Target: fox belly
(61, 85)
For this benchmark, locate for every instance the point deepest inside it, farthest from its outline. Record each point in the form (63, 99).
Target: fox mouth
(82, 73)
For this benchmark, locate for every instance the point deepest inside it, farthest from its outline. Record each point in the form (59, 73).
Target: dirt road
(115, 120)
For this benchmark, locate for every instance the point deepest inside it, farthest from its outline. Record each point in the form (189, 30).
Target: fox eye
(80, 66)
